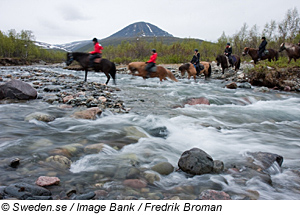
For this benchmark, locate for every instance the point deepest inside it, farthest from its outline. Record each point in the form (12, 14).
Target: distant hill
(138, 30)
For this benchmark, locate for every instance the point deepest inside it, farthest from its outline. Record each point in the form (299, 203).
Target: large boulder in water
(16, 89)
(196, 162)
(26, 191)
(262, 161)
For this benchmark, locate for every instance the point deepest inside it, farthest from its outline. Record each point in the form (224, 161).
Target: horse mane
(80, 54)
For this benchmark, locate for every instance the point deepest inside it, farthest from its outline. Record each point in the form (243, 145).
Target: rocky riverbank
(65, 91)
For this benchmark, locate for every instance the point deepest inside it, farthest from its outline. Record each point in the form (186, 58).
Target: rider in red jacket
(96, 53)
(151, 63)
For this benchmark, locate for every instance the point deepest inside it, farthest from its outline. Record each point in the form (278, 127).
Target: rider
(196, 60)
(299, 43)
(262, 47)
(151, 63)
(96, 53)
(228, 52)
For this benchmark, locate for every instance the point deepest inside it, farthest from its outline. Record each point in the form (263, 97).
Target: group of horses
(138, 68)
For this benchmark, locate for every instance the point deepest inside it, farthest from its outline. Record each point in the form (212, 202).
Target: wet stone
(163, 168)
(214, 195)
(196, 162)
(47, 181)
(15, 163)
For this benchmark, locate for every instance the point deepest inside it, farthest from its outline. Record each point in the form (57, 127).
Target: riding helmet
(95, 40)
(153, 50)
(196, 50)
(228, 44)
(263, 38)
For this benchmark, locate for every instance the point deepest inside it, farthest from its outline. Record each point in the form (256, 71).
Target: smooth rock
(16, 89)
(214, 195)
(47, 181)
(90, 113)
(44, 117)
(264, 160)
(232, 85)
(15, 163)
(67, 98)
(24, 191)
(94, 149)
(197, 101)
(135, 183)
(151, 177)
(163, 168)
(196, 162)
(218, 166)
(135, 133)
(60, 160)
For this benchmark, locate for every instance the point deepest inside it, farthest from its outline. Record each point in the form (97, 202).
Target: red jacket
(152, 58)
(97, 49)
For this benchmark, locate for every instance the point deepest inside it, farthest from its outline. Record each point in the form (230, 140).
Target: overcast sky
(61, 21)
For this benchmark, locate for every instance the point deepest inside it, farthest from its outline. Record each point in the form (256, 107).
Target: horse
(100, 64)
(161, 72)
(293, 51)
(191, 70)
(222, 59)
(273, 54)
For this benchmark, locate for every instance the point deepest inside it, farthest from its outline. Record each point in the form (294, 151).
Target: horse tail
(238, 63)
(209, 71)
(171, 76)
(113, 72)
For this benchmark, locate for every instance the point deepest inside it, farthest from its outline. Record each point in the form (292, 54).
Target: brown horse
(273, 54)
(223, 60)
(293, 51)
(161, 72)
(192, 71)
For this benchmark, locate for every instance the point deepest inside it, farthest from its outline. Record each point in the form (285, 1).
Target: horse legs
(108, 77)
(85, 77)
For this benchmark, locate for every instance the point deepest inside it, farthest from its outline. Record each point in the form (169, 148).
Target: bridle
(70, 59)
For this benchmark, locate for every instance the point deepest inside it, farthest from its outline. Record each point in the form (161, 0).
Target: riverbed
(156, 127)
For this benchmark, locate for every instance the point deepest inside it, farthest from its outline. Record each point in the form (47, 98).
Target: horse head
(246, 50)
(282, 47)
(69, 58)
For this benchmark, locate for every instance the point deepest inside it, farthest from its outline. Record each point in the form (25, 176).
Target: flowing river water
(157, 129)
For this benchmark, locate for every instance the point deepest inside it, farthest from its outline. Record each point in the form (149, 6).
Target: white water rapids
(236, 122)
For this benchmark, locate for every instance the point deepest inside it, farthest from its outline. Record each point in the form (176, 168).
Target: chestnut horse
(161, 72)
(293, 51)
(273, 54)
(222, 59)
(192, 71)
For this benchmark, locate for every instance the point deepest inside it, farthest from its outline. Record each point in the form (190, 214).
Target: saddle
(201, 66)
(97, 60)
(265, 53)
(153, 69)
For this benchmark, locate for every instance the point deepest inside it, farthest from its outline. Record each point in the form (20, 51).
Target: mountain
(140, 29)
(131, 33)
(69, 47)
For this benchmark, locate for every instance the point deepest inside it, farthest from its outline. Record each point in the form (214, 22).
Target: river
(157, 129)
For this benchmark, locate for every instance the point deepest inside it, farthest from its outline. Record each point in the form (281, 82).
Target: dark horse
(222, 59)
(272, 55)
(109, 68)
